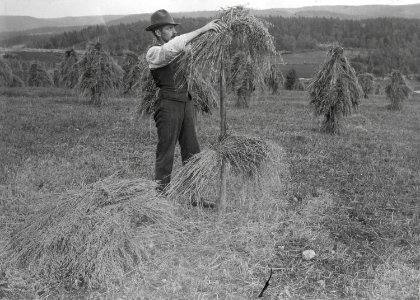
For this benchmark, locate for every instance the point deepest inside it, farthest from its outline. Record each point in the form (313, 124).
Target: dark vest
(171, 87)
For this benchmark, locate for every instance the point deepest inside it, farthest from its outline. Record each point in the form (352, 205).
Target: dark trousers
(175, 123)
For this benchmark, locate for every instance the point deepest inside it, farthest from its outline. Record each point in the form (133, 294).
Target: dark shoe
(203, 203)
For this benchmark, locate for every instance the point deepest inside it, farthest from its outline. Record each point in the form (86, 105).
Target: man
(173, 110)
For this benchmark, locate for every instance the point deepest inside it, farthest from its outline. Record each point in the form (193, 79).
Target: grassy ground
(353, 199)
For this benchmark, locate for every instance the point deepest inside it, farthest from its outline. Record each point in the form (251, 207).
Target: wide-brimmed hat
(160, 18)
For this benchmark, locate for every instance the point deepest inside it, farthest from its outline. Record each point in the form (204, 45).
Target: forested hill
(391, 42)
(360, 12)
(21, 23)
(289, 33)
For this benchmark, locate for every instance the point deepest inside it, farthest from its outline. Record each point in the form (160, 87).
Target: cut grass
(353, 199)
(93, 236)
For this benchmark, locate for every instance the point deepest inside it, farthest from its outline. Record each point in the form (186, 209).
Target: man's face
(166, 33)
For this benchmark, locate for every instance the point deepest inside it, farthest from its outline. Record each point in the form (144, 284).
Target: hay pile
(397, 90)
(243, 77)
(274, 79)
(38, 76)
(10, 72)
(131, 71)
(69, 69)
(240, 30)
(6, 74)
(254, 168)
(335, 91)
(100, 75)
(17, 67)
(366, 82)
(95, 236)
(55, 75)
(17, 81)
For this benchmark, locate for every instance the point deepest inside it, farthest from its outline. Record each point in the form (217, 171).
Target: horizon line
(192, 11)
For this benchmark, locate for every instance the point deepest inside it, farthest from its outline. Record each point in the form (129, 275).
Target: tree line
(392, 43)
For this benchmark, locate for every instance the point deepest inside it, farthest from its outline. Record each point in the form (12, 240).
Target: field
(47, 56)
(307, 63)
(353, 198)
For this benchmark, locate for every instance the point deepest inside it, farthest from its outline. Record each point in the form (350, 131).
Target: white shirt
(162, 55)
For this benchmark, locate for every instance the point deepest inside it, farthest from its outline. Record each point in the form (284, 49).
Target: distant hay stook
(335, 91)
(6, 73)
(69, 69)
(131, 74)
(94, 236)
(100, 75)
(38, 76)
(243, 77)
(274, 79)
(366, 82)
(397, 90)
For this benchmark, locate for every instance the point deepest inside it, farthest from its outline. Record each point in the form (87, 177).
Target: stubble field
(352, 198)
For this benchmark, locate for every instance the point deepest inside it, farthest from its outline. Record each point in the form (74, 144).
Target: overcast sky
(61, 8)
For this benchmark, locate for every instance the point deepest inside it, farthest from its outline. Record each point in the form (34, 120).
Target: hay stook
(255, 170)
(366, 82)
(38, 76)
(275, 79)
(243, 77)
(212, 52)
(397, 90)
(69, 69)
(100, 75)
(240, 31)
(6, 73)
(335, 91)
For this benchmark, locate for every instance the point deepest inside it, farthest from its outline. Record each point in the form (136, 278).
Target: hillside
(367, 11)
(23, 23)
(145, 17)
(321, 14)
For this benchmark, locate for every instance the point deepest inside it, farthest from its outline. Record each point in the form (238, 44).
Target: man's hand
(212, 26)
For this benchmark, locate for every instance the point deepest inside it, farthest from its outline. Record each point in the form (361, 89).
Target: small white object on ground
(308, 254)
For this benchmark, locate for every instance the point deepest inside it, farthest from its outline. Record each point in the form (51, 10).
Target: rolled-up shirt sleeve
(160, 56)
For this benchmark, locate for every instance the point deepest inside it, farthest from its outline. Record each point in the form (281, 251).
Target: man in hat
(173, 111)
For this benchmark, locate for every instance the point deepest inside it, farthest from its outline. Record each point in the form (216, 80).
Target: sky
(62, 8)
